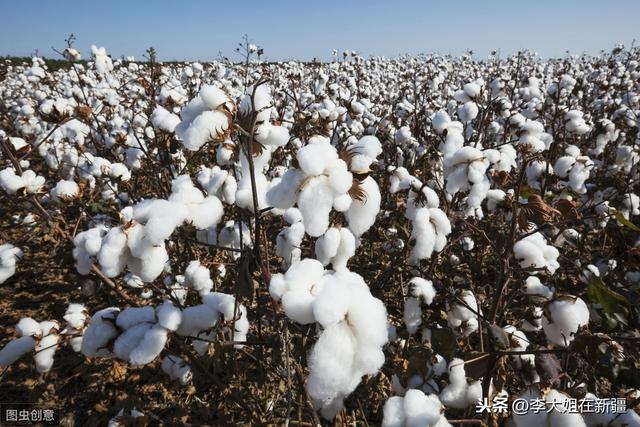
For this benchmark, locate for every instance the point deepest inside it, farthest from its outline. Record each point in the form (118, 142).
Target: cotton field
(422, 240)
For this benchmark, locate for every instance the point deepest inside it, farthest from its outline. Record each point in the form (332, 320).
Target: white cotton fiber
(566, 315)
(150, 346)
(169, 316)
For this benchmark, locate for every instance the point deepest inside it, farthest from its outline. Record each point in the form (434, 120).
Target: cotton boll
(212, 96)
(198, 278)
(562, 418)
(283, 194)
(332, 303)
(314, 157)
(65, 190)
(169, 316)
(362, 214)
(207, 213)
(164, 120)
(177, 369)
(565, 316)
(534, 252)
(15, 349)
(534, 287)
(100, 332)
(10, 182)
(134, 315)
(330, 364)
(394, 415)
(9, 254)
(288, 243)
(113, 252)
(421, 410)
(196, 319)
(298, 306)
(28, 327)
(75, 316)
(459, 394)
(327, 245)
(130, 339)
(464, 315)
(421, 288)
(150, 346)
(315, 202)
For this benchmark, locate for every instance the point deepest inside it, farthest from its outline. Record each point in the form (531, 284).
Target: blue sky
(199, 30)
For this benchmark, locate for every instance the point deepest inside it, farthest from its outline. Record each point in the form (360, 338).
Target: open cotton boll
(362, 213)
(129, 339)
(15, 349)
(314, 157)
(534, 252)
(464, 316)
(113, 254)
(134, 315)
(275, 136)
(76, 316)
(164, 120)
(32, 182)
(198, 132)
(330, 368)
(198, 278)
(197, 318)
(393, 410)
(169, 316)
(315, 201)
(422, 288)
(402, 180)
(9, 255)
(283, 194)
(100, 332)
(412, 315)
(439, 121)
(28, 327)
(420, 409)
(207, 213)
(288, 243)
(212, 96)
(563, 317)
(150, 346)
(458, 394)
(177, 369)
(10, 182)
(65, 190)
(332, 303)
(534, 287)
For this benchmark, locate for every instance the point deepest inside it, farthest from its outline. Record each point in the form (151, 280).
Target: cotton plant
(353, 322)
(139, 244)
(324, 181)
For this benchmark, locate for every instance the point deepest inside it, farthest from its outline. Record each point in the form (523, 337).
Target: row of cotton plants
(415, 234)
